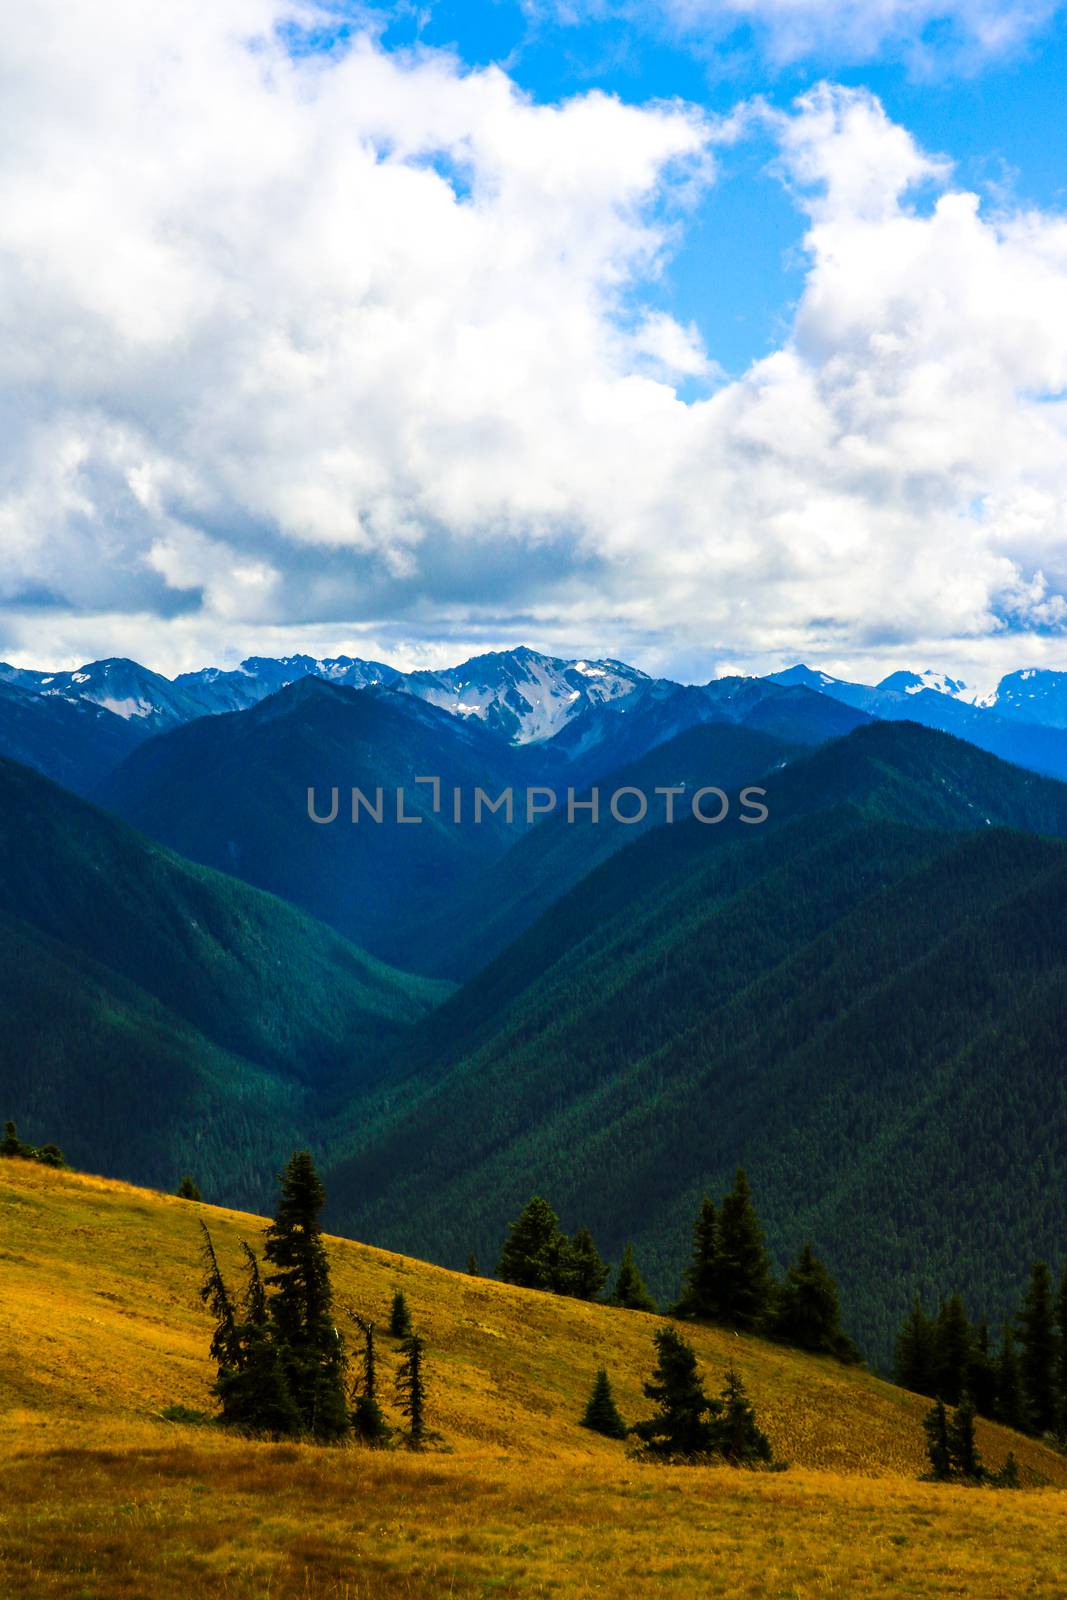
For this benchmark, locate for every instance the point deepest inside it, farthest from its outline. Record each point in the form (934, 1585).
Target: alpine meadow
(533, 800)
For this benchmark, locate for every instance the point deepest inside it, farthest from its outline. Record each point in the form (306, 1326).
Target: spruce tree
(682, 1425)
(399, 1317)
(953, 1347)
(935, 1426)
(737, 1435)
(962, 1447)
(11, 1144)
(581, 1272)
(601, 1413)
(472, 1265)
(188, 1189)
(745, 1286)
(1038, 1365)
(807, 1310)
(531, 1251)
(629, 1290)
(411, 1389)
(1061, 1361)
(302, 1303)
(225, 1347)
(915, 1364)
(255, 1395)
(700, 1297)
(368, 1423)
(1011, 1409)
(982, 1375)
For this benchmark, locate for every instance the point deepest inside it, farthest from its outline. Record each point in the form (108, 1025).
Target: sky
(712, 335)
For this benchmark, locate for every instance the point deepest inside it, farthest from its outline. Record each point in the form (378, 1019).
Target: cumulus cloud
(930, 34)
(356, 349)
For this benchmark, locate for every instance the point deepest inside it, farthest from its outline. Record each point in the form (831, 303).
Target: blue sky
(998, 118)
(708, 334)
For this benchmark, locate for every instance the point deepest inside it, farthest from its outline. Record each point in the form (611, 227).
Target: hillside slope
(230, 791)
(837, 1001)
(100, 1328)
(158, 1015)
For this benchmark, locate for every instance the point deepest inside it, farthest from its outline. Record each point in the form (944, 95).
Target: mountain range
(860, 999)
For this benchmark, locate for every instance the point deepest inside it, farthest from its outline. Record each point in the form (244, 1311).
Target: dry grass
(100, 1327)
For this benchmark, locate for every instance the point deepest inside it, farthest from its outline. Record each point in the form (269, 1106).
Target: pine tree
(411, 1389)
(602, 1414)
(531, 1251)
(916, 1353)
(1061, 1364)
(745, 1285)
(581, 1272)
(807, 1310)
(953, 1347)
(737, 1435)
(935, 1426)
(629, 1290)
(700, 1297)
(187, 1189)
(399, 1317)
(1008, 1475)
(255, 1395)
(1011, 1410)
(472, 1265)
(368, 1423)
(302, 1304)
(982, 1374)
(962, 1447)
(225, 1347)
(682, 1426)
(1038, 1338)
(11, 1144)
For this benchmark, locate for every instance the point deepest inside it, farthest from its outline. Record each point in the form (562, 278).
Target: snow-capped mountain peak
(939, 682)
(521, 694)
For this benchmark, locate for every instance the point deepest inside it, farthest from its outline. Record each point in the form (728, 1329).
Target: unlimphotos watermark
(627, 805)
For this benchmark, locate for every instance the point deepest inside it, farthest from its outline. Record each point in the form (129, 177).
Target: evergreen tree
(700, 1297)
(411, 1389)
(255, 1393)
(744, 1276)
(302, 1304)
(962, 1447)
(953, 1346)
(187, 1189)
(935, 1426)
(472, 1265)
(368, 1423)
(682, 1426)
(736, 1433)
(581, 1272)
(1011, 1410)
(1061, 1363)
(1008, 1475)
(982, 1374)
(11, 1144)
(531, 1251)
(225, 1347)
(807, 1310)
(601, 1414)
(629, 1290)
(915, 1365)
(399, 1317)
(1038, 1338)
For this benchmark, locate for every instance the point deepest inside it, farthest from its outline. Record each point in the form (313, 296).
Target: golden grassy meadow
(100, 1499)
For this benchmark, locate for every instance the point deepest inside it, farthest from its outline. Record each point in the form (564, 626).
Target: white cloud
(354, 351)
(929, 33)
